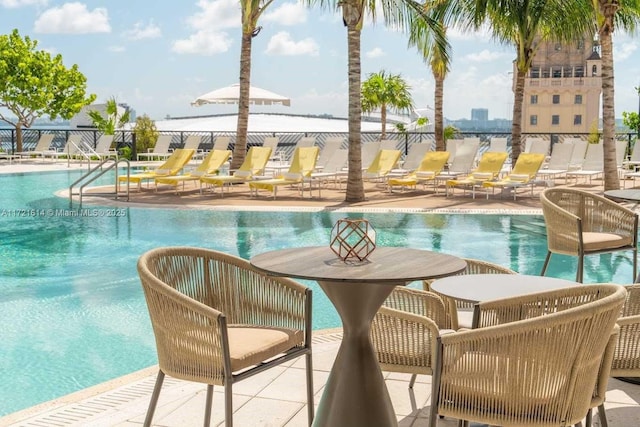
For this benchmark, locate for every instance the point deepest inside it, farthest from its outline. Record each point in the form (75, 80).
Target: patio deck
(275, 397)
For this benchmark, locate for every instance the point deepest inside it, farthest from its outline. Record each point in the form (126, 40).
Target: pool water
(72, 309)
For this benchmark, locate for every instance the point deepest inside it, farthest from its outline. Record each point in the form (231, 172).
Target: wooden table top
(485, 287)
(384, 265)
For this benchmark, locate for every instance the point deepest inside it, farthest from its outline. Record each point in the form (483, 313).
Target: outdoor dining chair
(580, 223)
(217, 321)
(536, 364)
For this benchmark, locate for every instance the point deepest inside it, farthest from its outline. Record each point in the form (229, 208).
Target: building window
(556, 99)
(579, 72)
(577, 119)
(594, 70)
(556, 73)
(555, 119)
(533, 120)
(535, 72)
(534, 99)
(578, 99)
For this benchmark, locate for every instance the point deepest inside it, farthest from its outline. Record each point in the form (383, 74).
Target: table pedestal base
(355, 394)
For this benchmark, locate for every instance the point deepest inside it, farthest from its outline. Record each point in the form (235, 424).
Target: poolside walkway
(277, 397)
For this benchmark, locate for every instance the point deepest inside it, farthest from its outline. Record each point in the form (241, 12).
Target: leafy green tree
(251, 12)
(34, 84)
(146, 133)
(113, 120)
(386, 91)
(631, 120)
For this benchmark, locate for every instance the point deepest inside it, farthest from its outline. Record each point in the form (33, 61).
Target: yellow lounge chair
(523, 173)
(211, 164)
(488, 169)
(382, 164)
(302, 165)
(254, 163)
(170, 167)
(431, 165)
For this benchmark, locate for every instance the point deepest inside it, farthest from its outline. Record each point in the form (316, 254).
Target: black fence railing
(286, 143)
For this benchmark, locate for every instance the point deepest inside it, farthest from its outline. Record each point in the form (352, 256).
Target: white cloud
(116, 49)
(207, 38)
(484, 56)
(624, 51)
(287, 14)
(14, 4)
(73, 18)
(376, 52)
(203, 43)
(141, 31)
(283, 44)
(215, 15)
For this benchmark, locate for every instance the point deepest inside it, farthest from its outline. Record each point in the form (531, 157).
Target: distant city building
(562, 89)
(480, 114)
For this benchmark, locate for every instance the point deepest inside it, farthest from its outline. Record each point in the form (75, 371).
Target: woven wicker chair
(461, 312)
(217, 320)
(539, 371)
(405, 329)
(580, 223)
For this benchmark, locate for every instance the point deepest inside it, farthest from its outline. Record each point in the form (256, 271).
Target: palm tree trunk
(240, 148)
(516, 125)
(355, 186)
(611, 180)
(383, 119)
(439, 113)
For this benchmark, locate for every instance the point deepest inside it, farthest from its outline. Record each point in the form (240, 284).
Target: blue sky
(158, 56)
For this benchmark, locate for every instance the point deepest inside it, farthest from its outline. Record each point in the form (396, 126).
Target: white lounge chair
(43, 145)
(72, 148)
(334, 169)
(221, 143)
(160, 150)
(463, 162)
(537, 145)
(193, 143)
(497, 145)
(413, 159)
(558, 164)
(103, 147)
(331, 145)
(593, 164)
(579, 152)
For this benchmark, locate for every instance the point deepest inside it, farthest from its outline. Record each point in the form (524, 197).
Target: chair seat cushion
(250, 345)
(598, 241)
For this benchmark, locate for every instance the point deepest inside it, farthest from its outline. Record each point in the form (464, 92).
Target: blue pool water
(72, 310)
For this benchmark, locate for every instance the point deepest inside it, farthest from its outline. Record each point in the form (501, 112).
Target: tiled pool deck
(276, 397)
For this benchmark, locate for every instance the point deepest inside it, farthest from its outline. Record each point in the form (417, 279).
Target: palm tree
(626, 14)
(397, 13)
(251, 12)
(522, 24)
(429, 37)
(382, 90)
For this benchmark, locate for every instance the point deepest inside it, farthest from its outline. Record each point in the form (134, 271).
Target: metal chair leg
(154, 399)
(580, 272)
(207, 408)
(602, 414)
(413, 380)
(228, 405)
(310, 408)
(588, 418)
(546, 264)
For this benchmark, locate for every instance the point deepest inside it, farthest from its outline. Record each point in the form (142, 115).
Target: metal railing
(96, 173)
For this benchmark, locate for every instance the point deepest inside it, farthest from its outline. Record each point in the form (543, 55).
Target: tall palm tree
(522, 24)
(609, 13)
(383, 90)
(397, 13)
(429, 37)
(251, 12)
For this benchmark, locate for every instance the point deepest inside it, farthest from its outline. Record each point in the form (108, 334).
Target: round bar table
(355, 394)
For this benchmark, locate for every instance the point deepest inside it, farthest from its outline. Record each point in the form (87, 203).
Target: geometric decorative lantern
(353, 238)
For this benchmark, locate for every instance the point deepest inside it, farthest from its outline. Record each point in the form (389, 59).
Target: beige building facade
(562, 90)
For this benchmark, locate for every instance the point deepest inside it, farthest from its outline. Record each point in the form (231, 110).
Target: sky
(158, 56)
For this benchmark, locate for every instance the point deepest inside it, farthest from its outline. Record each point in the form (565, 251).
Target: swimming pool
(72, 310)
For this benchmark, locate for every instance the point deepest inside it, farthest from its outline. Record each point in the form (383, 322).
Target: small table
(625, 195)
(484, 287)
(355, 394)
